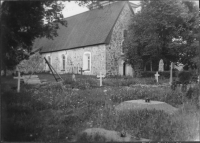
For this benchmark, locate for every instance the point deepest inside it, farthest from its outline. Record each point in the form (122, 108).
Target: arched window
(63, 62)
(87, 61)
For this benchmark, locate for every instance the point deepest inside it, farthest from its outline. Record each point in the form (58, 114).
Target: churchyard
(58, 82)
(60, 111)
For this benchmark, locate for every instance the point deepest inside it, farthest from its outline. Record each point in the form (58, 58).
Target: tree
(188, 53)
(160, 31)
(22, 22)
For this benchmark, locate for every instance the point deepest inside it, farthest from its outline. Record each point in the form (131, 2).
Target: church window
(63, 62)
(87, 61)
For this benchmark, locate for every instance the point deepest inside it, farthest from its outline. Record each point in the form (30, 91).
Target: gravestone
(31, 79)
(171, 78)
(156, 76)
(18, 81)
(100, 76)
(141, 104)
(73, 77)
(81, 70)
(161, 65)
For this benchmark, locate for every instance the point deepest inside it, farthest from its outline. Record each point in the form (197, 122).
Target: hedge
(165, 74)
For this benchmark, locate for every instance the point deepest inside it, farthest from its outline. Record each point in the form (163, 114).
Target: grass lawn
(53, 113)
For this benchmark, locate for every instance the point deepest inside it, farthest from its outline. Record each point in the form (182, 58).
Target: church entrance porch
(125, 69)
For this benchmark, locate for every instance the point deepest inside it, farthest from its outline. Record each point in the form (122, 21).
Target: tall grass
(49, 113)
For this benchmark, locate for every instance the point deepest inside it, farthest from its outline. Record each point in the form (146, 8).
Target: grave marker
(141, 104)
(100, 76)
(81, 70)
(161, 65)
(18, 83)
(73, 77)
(156, 76)
(171, 67)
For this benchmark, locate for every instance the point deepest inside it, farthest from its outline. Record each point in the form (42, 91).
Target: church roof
(85, 29)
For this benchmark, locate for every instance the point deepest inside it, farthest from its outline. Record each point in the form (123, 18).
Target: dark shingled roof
(85, 29)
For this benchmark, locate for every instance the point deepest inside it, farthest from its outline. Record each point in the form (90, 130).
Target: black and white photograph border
(99, 71)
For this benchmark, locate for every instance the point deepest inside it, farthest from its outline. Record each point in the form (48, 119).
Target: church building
(92, 40)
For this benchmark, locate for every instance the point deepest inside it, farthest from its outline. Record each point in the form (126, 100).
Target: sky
(72, 8)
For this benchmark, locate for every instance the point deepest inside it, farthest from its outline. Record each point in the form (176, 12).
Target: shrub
(193, 96)
(184, 77)
(145, 74)
(164, 74)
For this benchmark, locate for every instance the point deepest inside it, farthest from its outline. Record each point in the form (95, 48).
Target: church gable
(114, 51)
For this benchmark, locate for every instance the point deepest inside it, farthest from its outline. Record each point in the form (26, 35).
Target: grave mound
(103, 135)
(141, 104)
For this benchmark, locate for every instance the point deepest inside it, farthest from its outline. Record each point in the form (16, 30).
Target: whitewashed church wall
(114, 49)
(74, 60)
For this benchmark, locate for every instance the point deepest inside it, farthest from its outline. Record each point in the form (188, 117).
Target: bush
(193, 96)
(185, 77)
(164, 74)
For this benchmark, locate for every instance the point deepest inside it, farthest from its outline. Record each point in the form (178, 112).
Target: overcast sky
(72, 8)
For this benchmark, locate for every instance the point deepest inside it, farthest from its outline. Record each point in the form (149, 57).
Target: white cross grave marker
(18, 83)
(198, 79)
(156, 76)
(100, 76)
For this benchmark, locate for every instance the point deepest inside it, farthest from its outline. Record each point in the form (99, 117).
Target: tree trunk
(145, 68)
(151, 65)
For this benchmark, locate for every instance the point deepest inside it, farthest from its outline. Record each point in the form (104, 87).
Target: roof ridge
(88, 28)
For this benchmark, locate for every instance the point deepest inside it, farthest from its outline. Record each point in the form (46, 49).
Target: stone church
(92, 41)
